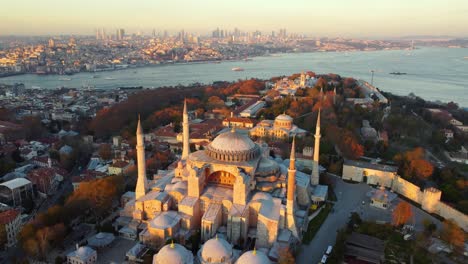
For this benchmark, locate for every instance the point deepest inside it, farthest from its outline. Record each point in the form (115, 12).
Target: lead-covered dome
(233, 146)
(253, 257)
(216, 250)
(284, 117)
(174, 254)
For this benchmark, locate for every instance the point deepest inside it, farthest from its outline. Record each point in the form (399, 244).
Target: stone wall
(449, 212)
(429, 199)
(407, 189)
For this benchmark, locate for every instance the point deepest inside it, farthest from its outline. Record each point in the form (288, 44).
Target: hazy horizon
(336, 18)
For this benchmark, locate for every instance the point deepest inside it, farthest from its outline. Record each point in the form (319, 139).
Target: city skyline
(362, 18)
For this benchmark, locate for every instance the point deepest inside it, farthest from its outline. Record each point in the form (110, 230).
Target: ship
(109, 78)
(238, 69)
(466, 57)
(398, 73)
(64, 79)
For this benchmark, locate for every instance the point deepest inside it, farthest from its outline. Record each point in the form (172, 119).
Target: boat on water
(64, 79)
(35, 87)
(96, 76)
(247, 59)
(109, 78)
(238, 69)
(466, 57)
(398, 73)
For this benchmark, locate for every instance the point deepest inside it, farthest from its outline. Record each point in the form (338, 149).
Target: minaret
(291, 191)
(314, 180)
(291, 179)
(334, 96)
(303, 80)
(142, 183)
(185, 135)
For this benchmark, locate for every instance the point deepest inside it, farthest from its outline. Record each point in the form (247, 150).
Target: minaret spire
(291, 177)
(185, 133)
(142, 182)
(291, 192)
(315, 170)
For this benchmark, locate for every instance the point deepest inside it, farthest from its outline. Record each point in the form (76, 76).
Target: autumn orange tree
(402, 213)
(453, 234)
(414, 165)
(285, 256)
(97, 195)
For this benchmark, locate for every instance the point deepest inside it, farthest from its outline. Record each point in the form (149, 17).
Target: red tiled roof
(166, 131)
(8, 216)
(8, 126)
(239, 120)
(119, 164)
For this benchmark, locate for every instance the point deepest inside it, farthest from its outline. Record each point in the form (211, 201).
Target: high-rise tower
(142, 183)
(185, 131)
(314, 180)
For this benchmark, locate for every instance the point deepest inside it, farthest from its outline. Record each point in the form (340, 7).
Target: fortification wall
(429, 199)
(449, 212)
(407, 189)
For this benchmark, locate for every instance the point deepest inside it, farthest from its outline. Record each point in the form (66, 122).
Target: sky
(325, 18)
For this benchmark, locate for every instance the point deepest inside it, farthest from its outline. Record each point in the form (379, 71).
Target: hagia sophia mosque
(232, 192)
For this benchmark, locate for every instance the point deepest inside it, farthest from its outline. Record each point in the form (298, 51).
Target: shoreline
(167, 63)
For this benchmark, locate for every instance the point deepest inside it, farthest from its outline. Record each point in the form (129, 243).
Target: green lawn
(314, 224)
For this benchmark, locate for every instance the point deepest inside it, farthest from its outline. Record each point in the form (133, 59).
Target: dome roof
(283, 117)
(253, 257)
(233, 146)
(232, 141)
(165, 220)
(173, 253)
(216, 250)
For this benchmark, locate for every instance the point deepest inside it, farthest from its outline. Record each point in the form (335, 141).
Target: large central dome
(233, 146)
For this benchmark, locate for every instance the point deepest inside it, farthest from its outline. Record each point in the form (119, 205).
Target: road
(349, 198)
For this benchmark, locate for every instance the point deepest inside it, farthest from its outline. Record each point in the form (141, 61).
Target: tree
(452, 234)
(105, 151)
(402, 213)
(422, 168)
(285, 256)
(3, 236)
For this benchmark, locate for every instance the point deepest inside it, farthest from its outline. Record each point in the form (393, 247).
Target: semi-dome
(253, 257)
(233, 146)
(173, 253)
(216, 250)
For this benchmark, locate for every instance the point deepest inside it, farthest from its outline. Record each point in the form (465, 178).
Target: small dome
(165, 220)
(174, 254)
(283, 117)
(216, 250)
(262, 196)
(253, 257)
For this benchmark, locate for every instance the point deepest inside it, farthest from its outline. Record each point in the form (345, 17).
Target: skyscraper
(120, 34)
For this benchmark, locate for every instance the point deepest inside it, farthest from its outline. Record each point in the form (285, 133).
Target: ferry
(64, 79)
(35, 87)
(109, 78)
(398, 73)
(96, 76)
(466, 57)
(237, 69)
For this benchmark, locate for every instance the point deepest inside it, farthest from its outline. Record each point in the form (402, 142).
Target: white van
(324, 259)
(329, 250)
